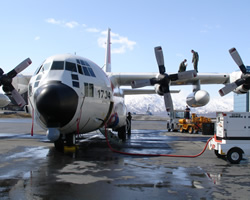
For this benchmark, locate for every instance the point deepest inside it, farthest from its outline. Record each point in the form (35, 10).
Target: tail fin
(108, 54)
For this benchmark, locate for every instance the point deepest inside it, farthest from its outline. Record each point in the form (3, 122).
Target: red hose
(166, 155)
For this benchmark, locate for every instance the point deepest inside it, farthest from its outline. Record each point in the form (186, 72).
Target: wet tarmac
(30, 168)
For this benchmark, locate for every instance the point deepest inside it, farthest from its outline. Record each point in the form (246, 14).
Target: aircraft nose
(56, 103)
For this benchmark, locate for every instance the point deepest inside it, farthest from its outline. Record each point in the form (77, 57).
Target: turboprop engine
(198, 99)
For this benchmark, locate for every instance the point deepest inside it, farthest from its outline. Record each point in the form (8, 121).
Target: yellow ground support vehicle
(193, 125)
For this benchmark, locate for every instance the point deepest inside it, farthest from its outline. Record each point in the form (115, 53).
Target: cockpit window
(43, 67)
(46, 66)
(57, 65)
(70, 67)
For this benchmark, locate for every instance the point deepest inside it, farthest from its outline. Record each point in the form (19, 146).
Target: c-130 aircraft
(69, 94)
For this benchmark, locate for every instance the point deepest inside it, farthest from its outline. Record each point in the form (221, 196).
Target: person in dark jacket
(183, 65)
(195, 60)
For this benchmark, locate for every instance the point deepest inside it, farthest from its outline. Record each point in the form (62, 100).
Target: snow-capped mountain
(141, 103)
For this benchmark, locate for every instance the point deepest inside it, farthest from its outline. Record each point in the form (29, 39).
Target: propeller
(245, 77)
(6, 81)
(163, 79)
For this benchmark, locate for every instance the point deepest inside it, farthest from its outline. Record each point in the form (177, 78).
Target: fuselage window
(38, 77)
(86, 89)
(75, 84)
(74, 77)
(36, 84)
(91, 90)
(71, 67)
(57, 65)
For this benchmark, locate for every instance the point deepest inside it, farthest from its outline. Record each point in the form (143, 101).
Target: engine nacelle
(198, 99)
(158, 89)
(119, 115)
(241, 90)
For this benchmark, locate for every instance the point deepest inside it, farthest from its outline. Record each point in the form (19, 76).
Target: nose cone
(56, 103)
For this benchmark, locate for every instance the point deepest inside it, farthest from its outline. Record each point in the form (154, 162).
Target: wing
(142, 91)
(125, 79)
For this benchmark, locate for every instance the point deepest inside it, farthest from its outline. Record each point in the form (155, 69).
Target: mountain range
(154, 103)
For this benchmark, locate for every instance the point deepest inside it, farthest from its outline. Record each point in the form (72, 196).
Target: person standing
(187, 112)
(183, 65)
(129, 117)
(195, 60)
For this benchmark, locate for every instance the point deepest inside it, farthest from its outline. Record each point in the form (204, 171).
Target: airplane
(69, 94)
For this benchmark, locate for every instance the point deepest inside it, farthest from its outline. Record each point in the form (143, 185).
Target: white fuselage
(72, 94)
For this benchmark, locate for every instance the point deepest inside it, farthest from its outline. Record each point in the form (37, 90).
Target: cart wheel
(190, 130)
(168, 128)
(234, 155)
(181, 129)
(219, 155)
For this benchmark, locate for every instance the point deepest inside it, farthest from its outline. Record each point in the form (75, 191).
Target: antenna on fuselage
(107, 67)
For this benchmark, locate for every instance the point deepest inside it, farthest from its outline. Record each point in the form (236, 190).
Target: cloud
(70, 24)
(53, 21)
(93, 30)
(120, 43)
(37, 38)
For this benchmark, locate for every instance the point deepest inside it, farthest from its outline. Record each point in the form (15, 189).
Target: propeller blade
(141, 83)
(18, 98)
(160, 59)
(1, 72)
(230, 87)
(168, 102)
(23, 65)
(237, 59)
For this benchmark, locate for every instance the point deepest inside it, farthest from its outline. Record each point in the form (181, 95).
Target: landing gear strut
(68, 140)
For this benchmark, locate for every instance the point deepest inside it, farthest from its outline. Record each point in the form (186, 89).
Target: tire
(219, 155)
(190, 130)
(234, 155)
(59, 144)
(168, 128)
(172, 128)
(122, 133)
(181, 129)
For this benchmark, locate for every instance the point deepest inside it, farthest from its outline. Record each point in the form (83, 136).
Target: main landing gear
(124, 131)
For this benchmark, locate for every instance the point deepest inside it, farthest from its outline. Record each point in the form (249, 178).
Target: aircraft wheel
(59, 144)
(70, 139)
(234, 155)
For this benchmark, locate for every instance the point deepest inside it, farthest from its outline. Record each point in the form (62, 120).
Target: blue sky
(39, 29)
